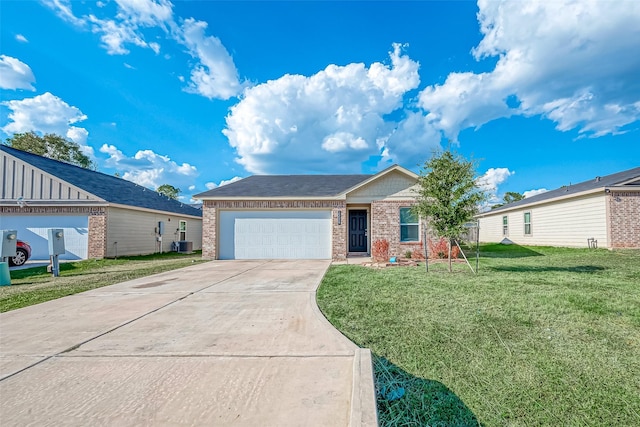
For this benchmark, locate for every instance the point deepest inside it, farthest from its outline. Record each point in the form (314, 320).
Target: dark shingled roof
(107, 187)
(287, 186)
(592, 184)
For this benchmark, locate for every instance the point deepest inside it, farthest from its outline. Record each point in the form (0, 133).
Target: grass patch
(541, 336)
(34, 285)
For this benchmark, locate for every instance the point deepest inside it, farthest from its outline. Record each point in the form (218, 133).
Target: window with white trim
(409, 226)
(182, 229)
(527, 223)
(505, 225)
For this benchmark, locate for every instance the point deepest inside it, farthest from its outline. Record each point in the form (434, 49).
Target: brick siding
(339, 232)
(97, 245)
(385, 224)
(209, 228)
(624, 219)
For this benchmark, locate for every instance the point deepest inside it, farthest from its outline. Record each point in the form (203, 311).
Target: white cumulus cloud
(63, 9)
(146, 13)
(45, 113)
(342, 141)
(15, 74)
(490, 181)
(115, 35)
(531, 193)
(330, 121)
(149, 169)
(213, 75)
(212, 185)
(573, 62)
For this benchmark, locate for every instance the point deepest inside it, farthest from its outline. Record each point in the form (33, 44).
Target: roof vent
(597, 179)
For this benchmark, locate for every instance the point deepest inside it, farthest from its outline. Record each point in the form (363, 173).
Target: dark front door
(358, 231)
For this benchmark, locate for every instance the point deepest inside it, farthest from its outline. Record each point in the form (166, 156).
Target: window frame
(505, 225)
(182, 231)
(409, 224)
(527, 224)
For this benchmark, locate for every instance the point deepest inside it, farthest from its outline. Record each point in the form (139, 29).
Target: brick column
(339, 232)
(97, 234)
(209, 229)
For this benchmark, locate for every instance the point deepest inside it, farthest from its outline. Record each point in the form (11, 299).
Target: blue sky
(198, 93)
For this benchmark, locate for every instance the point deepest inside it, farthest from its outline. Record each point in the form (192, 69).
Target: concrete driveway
(220, 343)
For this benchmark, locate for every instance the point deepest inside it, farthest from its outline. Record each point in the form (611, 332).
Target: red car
(23, 252)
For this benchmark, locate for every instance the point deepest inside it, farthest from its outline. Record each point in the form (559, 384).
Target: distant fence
(471, 232)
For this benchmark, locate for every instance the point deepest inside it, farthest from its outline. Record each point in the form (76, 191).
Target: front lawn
(34, 285)
(541, 336)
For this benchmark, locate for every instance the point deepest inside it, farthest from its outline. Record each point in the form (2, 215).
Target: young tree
(512, 196)
(52, 146)
(448, 196)
(509, 197)
(170, 191)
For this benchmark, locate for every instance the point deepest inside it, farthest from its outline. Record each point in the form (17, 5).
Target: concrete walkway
(237, 343)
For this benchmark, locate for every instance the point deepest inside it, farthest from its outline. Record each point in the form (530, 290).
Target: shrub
(380, 251)
(440, 249)
(407, 254)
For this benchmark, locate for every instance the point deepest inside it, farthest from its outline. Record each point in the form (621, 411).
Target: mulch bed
(404, 262)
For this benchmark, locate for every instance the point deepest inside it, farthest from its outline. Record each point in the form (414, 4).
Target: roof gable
(390, 170)
(393, 184)
(106, 187)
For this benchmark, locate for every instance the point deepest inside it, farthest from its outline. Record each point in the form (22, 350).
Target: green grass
(34, 285)
(541, 336)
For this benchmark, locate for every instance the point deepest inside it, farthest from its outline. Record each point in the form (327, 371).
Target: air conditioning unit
(185, 247)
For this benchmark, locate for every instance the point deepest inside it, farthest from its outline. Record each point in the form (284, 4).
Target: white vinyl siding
(276, 234)
(135, 231)
(564, 223)
(392, 186)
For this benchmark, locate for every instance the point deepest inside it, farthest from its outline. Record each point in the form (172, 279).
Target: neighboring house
(102, 215)
(606, 209)
(310, 216)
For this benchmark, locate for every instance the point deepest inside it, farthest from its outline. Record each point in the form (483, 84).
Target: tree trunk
(450, 269)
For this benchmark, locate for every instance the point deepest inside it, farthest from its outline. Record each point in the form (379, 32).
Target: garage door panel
(275, 234)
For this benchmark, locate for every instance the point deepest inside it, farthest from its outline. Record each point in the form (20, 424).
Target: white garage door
(278, 234)
(33, 229)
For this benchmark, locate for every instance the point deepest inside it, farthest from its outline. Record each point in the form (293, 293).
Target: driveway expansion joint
(260, 319)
